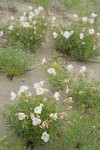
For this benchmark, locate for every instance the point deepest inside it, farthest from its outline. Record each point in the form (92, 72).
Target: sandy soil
(37, 74)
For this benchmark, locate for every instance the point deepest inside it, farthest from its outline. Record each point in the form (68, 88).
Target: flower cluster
(81, 41)
(28, 20)
(36, 115)
(27, 31)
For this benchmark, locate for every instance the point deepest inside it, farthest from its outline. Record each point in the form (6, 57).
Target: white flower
(66, 34)
(31, 14)
(93, 127)
(51, 71)
(41, 91)
(21, 116)
(91, 31)
(24, 14)
(1, 33)
(30, 18)
(22, 18)
(23, 89)
(55, 35)
(35, 121)
(91, 20)
(36, 11)
(94, 48)
(38, 85)
(81, 36)
(51, 115)
(93, 15)
(45, 137)
(54, 18)
(25, 24)
(30, 7)
(83, 69)
(98, 34)
(54, 116)
(41, 105)
(13, 95)
(38, 110)
(40, 8)
(84, 19)
(12, 18)
(44, 61)
(10, 27)
(75, 15)
(71, 32)
(56, 95)
(70, 67)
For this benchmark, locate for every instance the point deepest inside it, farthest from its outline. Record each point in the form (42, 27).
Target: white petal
(13, 96)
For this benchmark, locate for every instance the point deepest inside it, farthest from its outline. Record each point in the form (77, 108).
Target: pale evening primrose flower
(45, 137)
(51, 71)
(84, 19)
(44, 61)
(13, 96)
(71, 32)
(41, 91)
(75, 15)
(21, 116)
(30, 7)
(91, 20)
(98, 34)
(24, 14)
(1, 33)
(56, 95)
(66, 34)
(93, 15)
(26, 24)
(55, 35)
(22, 18)
(40, 8)
(81, 36)
(70, 67)
(83, 69)
(23, 89)
(30, 18)
(94, 48)
(38, 85)
(93, 127)
(36, 12)
(54, 18)
(35, 121)
(12, 18)
(38, 110)
(41, 105)
(91, 31)
(10, 27)
(55, 116)
(31, 14)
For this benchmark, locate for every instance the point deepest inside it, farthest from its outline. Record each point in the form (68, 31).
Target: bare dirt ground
(37, 74)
